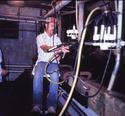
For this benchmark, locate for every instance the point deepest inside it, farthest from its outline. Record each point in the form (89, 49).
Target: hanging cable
(78, 62)
(97, 20)
(103, 77)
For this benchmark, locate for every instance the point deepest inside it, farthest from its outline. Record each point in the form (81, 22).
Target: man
(45, 41)
(3, 71)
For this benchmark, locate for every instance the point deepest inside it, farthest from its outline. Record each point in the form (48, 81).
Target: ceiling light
(16, 2)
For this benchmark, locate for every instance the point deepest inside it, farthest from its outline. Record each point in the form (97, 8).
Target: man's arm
(45, 47)
(62, 48)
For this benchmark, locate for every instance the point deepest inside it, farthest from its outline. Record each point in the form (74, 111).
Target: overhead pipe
(21, 19)
(58, 7)
(69, 12)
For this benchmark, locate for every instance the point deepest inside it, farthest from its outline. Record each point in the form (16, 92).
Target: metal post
(59, 25)
(118, 50)
(80, 17)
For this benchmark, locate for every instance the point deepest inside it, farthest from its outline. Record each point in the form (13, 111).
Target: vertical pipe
(118, 56)
(59, 25)
(80, 16)
(76, 13)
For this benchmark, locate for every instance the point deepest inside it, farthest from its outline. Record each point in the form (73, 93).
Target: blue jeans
(53, 69)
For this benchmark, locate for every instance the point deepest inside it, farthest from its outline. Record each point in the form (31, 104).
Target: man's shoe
(37, 109)
(51, 110)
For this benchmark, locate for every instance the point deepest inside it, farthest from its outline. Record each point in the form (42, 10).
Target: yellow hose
(78, 62)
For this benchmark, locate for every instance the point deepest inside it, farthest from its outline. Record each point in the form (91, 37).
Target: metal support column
(118, 50)
(80, 16)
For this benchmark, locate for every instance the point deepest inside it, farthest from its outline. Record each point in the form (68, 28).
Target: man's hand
(65, 49)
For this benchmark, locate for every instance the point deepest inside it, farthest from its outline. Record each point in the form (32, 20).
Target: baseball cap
(50, 20)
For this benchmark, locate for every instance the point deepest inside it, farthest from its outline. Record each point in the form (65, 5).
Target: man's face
(50, 28)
